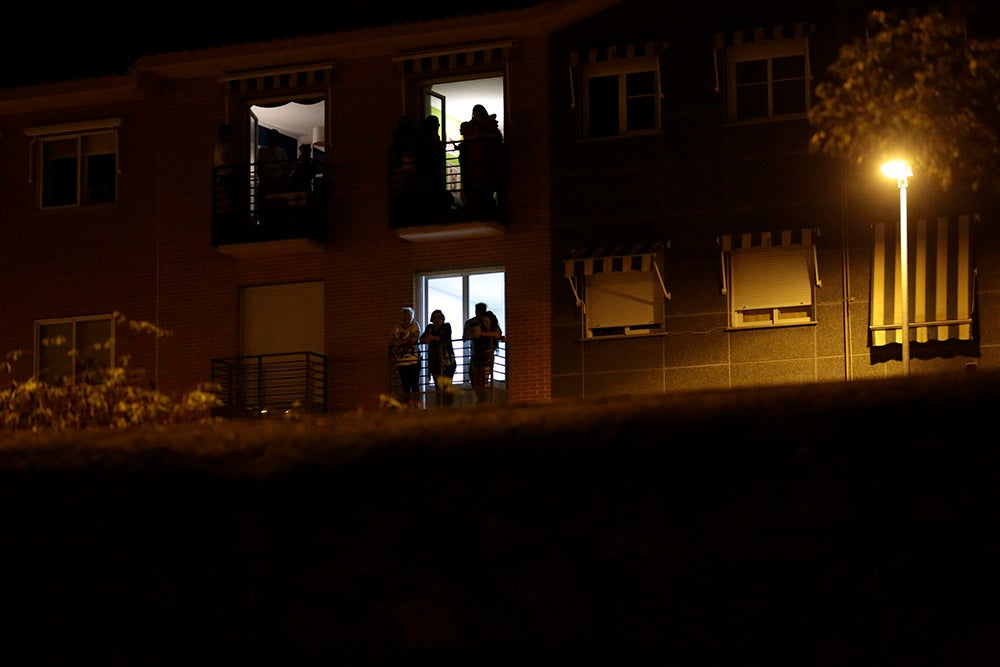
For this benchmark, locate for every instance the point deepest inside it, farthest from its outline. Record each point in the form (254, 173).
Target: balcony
(270, 384)
(463, 394)
(249, 220)
(421, 213)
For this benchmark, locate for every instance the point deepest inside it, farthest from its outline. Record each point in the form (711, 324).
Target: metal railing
(413, 203)
(463, 393)
(246, 209)
(268, 384)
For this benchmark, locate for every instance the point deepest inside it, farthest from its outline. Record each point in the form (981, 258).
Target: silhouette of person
(303, 170)
(431, 177)
(481, 160)
(272, 164)
(440, 356)
(483, 330)
(226, 174)
(403, 157)
(405, 354)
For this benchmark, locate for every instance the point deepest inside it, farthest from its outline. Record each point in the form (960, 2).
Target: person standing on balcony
(405, 355)
(485, 335)
(303, 170)
(224, 162)
(272, 164)
(481, 161)
(440, 356)
(403, 158)
(431, 182)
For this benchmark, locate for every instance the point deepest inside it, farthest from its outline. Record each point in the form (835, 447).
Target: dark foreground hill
(814, 525)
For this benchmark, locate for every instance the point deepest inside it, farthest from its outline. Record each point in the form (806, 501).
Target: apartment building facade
(660, 225)
(704, 247)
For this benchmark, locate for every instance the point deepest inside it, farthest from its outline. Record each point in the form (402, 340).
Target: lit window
(74, 349)
(770, 285)
(456, 293)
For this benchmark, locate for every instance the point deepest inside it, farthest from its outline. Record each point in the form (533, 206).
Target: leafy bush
(99, 397)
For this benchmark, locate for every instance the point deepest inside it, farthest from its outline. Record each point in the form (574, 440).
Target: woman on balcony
(440, 356)
(405, 356)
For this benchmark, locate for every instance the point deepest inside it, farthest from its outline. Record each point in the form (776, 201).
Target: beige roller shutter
(283, 318)
(775, 277)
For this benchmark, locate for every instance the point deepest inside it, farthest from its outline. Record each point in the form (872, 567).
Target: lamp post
(900, 170)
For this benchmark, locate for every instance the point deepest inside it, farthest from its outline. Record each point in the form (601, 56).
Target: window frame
(767, 268)
(625, 284)
(494, 297)
(608, 299)
(768, 52)
(622, 68)
(87, 142)
(108, 345)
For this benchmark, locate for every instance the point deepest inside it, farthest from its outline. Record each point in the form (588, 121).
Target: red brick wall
(151, 257)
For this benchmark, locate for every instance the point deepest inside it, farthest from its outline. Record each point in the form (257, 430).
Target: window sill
(769, 119)
(773, 325)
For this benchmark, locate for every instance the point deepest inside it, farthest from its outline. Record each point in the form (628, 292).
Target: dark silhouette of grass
(819, 524)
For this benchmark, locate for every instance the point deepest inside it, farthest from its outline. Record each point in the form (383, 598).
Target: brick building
(657, 223)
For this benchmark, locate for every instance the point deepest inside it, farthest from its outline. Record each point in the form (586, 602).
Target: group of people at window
(274, 172)
(277, 174)
(483, 333)
(419, 164)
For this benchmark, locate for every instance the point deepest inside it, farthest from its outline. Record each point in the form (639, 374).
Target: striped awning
(274, 79)
(772, 271)
(468, 55)
(748, 240)
(613, 52)
(584, 262)
(942, 280)
(613, 259)
(774, 33)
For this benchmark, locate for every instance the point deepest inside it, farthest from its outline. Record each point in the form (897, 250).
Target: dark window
(603, 106)
(79, 170)
(623, 97)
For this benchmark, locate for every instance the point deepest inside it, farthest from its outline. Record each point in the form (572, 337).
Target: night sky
(45, 43)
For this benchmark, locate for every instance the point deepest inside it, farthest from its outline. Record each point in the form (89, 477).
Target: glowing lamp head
(897, 169)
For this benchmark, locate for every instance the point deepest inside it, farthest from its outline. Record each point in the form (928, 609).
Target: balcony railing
(245, 210)
(418, 200)
(269, 384)
(461, 385)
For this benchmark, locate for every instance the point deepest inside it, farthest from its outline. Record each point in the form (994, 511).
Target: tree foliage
(114, 398)
(916, 89)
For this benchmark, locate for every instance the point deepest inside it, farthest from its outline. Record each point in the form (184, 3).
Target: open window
(456, 293)
(770, 279)
(76, 164)
(298, 128)
(451, 103)
(619, 290)
(291, 103)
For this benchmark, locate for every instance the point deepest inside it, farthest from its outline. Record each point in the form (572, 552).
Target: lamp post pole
(904, 275)
(901, 171)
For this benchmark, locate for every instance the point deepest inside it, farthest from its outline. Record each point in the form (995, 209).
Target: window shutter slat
(771, 278)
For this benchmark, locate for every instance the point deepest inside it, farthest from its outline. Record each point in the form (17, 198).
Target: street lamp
(900, 170)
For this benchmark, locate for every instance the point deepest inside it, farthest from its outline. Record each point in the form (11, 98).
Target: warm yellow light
(897, 169)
